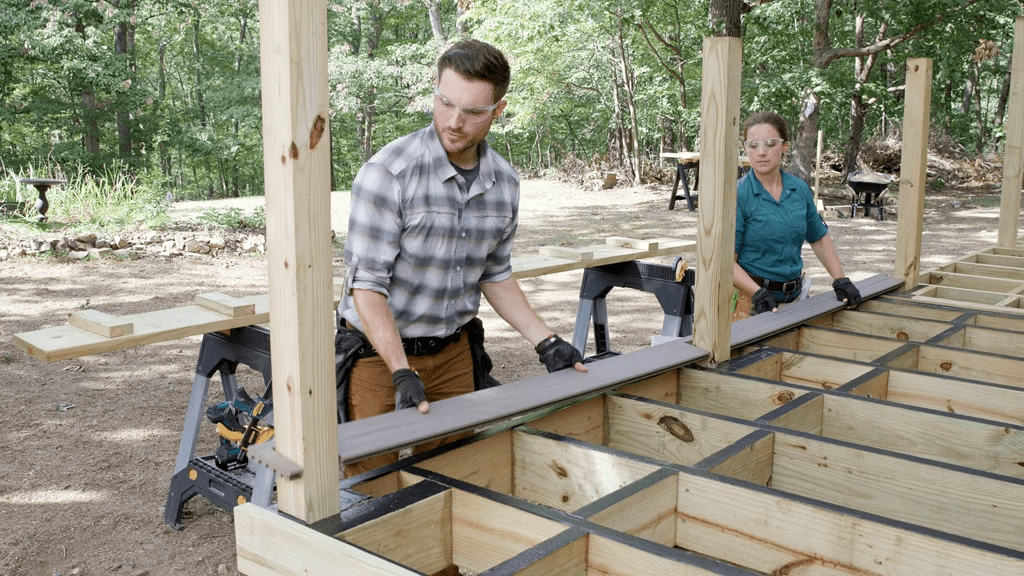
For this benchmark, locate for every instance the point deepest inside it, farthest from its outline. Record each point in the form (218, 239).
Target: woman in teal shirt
(775, 214)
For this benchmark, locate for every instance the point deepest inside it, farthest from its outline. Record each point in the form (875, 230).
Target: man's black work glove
(764, 301)
(556, 353)
(845, 290)
(408, 389)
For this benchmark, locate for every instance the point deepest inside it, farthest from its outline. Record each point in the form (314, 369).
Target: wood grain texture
(268, 544)
(999, 403)
(669, 434)
(293, 70)
(960, 502)
(648, 514)
(913, 167)
(716, 218)
(766, 530)
(106, 325)
(486, 533)
(227, 305)
(418, 536)
(568, 477)
(988, 446)
(1013, 154)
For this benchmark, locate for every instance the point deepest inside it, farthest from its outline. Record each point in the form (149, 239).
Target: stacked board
(883, 440)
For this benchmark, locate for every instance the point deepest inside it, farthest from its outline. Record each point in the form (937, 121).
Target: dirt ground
(89, 444)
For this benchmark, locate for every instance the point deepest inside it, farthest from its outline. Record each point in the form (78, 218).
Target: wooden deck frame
(737, 520)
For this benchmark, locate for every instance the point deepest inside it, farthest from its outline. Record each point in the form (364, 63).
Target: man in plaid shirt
(433, 217)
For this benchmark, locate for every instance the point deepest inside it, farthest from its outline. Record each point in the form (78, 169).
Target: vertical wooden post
(1013, 155)
(716, 219)
(916, 122)
(296, 163)
(817, 171)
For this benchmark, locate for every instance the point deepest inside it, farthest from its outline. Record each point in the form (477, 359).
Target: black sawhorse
(682, 178)
(676, 299)
(199, 475)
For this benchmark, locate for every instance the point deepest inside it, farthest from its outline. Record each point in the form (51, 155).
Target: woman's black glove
(409, 392)
(764, 301)
(557, 354)
(846, 291)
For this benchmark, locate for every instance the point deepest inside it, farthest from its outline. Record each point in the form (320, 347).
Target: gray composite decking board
(364, 438)
(386, 432)
(760, 326)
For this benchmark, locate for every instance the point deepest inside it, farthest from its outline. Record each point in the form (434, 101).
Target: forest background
(166, 93)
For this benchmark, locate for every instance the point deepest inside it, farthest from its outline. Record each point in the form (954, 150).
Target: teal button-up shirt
(769, 233)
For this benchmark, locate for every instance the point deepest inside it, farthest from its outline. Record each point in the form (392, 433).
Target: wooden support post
(1013, 155)
(916, 114)
(817, 170)
(716, 220)
(296, 163)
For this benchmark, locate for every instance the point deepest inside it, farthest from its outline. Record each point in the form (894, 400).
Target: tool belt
(418, 346)
(351, 345)
(788, 287)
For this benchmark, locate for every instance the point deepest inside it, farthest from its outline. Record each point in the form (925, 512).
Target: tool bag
(348, 342)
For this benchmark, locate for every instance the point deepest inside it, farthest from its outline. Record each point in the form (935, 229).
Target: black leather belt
(787, 287)
(418, 346)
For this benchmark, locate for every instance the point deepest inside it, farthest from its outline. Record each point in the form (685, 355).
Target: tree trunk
(632, 135)
(201, 110)
(724, 18)
(165, 157)
(90, 122)
(436, 27)
(801, 163)
(122, 48)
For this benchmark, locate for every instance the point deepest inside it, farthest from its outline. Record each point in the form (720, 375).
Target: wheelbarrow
(868, 188)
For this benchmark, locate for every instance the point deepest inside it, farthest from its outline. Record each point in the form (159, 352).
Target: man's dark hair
(772, 119)
(479, 61)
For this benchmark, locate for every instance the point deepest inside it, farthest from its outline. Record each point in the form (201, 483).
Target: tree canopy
(169, 90)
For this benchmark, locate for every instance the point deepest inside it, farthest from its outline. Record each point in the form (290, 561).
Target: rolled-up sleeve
(374, 230)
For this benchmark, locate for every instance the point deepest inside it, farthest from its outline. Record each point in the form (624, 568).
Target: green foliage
(110, 201)
(234, 218)
(186, 94)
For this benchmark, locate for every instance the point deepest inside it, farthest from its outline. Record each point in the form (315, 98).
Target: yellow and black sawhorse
(220, 353)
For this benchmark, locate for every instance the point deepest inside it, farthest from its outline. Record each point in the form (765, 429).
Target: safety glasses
(767, 143)
(474, 114)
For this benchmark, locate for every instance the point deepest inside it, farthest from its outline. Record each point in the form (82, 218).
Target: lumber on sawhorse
(91, 332)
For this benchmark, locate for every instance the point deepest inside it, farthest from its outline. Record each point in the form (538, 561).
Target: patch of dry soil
(89, 444)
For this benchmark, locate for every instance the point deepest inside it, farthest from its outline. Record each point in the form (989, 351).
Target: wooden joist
(93, 332)
(834, 445)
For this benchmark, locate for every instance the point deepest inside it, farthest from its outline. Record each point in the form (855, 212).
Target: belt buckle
(790, 286)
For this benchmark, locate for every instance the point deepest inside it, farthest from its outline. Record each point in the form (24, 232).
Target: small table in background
(42, 185)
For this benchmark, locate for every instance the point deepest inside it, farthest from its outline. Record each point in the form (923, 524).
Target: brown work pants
(370, 392)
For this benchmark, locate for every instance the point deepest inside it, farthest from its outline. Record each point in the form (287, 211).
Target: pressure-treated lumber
(1013, 154)
(772, 461)
(106, 325)
(296, 168)
(716, 219)
(913, 166)
(91, 332)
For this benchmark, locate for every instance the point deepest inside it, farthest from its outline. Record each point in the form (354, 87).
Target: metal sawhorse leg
(682, 178)
(676, 299)
(200, 476)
